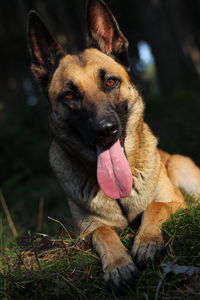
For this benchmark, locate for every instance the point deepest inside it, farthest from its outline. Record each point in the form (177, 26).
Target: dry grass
(65, 268)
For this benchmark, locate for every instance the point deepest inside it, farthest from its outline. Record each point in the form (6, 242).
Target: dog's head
(90, 94)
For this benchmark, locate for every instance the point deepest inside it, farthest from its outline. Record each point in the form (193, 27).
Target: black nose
(106, 131)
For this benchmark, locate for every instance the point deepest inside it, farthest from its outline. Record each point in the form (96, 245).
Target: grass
(40, 267)
(69, 269)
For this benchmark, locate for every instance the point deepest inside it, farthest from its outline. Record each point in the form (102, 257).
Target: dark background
(170, 87)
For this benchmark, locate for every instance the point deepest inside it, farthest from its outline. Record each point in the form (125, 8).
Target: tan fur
(151, 182)
(158, 177)
(106, 241)
(155, 173)
(117, 264)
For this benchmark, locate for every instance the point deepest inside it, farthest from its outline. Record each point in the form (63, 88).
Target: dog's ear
(45, 51)
(104, 32)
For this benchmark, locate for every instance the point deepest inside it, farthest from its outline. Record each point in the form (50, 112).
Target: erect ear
(45, 51)
(104, 32)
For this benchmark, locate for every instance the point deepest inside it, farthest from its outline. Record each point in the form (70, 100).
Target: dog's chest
(134, 205)
(115, 210)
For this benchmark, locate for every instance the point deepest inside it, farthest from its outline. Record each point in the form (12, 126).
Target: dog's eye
(111, 82)
(69, 95)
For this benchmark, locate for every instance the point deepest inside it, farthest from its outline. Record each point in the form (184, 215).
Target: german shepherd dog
(103, 153)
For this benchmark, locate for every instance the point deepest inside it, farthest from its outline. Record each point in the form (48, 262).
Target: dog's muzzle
(105, 131)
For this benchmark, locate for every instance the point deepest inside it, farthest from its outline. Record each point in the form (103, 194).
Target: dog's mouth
(113, 171)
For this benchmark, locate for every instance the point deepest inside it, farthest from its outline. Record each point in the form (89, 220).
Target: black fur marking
(122, 208)
(44, 50)
(123, 113)
(70, 86)
(84, 186)
(104, 75)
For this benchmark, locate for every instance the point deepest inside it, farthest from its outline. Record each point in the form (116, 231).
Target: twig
(40, 215)
(35, 251)
(69, 282)
(8, 215)
(84, 252)
(65, 248)
(65, 229)
(159, 286)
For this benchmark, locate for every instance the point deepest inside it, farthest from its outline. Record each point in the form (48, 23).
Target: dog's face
(90, 94)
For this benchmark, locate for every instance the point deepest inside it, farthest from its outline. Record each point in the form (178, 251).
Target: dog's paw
(147, 251)
(118, 278)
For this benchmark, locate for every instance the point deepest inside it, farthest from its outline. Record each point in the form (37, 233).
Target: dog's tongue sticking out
(113, 172)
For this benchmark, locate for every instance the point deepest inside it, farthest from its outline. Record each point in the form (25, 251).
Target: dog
(103, 153)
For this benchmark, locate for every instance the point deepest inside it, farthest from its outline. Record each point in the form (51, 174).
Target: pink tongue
(113, 172)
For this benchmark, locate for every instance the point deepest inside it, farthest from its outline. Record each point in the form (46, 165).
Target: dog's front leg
(117, 264)
(148, 246)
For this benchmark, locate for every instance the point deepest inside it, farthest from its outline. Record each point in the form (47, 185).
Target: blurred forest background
(164, 38)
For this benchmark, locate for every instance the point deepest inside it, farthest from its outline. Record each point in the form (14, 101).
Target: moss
(75, 272)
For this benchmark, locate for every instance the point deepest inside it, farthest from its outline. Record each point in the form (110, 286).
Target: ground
(40, 267)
